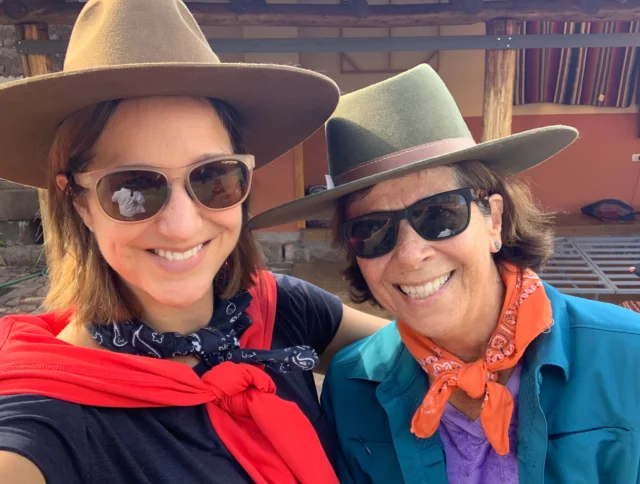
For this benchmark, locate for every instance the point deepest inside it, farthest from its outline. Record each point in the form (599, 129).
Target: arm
(316, 317)
(16, 469)
(354, 326)
(42, 440)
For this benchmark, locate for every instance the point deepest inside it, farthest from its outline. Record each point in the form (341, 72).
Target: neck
(470, 344)
(185, 320)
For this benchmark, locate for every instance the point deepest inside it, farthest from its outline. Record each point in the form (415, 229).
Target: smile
(169, 255)
(425, 290)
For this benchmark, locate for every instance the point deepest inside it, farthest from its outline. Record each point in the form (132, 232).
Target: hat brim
(278, 106)
(508, 156)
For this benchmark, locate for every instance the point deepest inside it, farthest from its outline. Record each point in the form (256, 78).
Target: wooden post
(298, 167)
(36, 65)
(499, 79)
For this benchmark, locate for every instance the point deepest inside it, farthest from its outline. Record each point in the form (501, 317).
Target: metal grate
(612, 257)
(571, 272)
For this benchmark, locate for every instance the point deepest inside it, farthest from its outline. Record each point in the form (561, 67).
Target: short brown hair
(79, 276)
(527, 230)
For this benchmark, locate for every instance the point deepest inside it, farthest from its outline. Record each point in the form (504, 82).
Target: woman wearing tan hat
(488, 375)
(169, 355)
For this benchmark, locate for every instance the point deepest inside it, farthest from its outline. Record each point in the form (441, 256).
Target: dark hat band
(404, 157)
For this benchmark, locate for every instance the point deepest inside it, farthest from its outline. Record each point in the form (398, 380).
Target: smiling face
(172, 259)
(439, 288)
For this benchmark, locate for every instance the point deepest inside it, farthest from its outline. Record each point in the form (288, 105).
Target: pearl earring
(497, 245)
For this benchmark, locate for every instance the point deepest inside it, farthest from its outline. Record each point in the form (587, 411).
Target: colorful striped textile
(582, 76)
(632, 305)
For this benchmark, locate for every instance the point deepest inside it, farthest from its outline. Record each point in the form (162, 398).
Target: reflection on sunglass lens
(220, 184)
(441, 216)
(372, 237)
(132, 195)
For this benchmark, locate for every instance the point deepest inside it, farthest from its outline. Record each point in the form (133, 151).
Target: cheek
(227, 220)
(470, 252)
(374, 271)
(114, 238)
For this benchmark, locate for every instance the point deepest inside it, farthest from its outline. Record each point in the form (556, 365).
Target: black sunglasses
(437, 217)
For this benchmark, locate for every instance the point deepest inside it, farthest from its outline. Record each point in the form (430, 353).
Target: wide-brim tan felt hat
(138, 48)
(403, 125)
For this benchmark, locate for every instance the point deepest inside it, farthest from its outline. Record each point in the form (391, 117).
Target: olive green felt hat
(402, 125)
(122, 49)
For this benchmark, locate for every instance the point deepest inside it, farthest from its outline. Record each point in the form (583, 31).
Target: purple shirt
(470, 457)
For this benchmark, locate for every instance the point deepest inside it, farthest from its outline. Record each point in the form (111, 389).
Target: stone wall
(291, 247)
(19, 210)
(9, 60)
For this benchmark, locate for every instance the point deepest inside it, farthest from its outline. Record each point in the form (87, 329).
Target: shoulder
(595, 317)
(293, 285)
(367, 359)
(384, 342)
(600, 345)
(587, 330)
(303, 298)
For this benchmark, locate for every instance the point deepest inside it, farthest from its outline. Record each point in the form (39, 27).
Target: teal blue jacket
(579, 403)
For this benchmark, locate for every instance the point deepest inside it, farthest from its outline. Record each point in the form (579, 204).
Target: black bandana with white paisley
(216, 343)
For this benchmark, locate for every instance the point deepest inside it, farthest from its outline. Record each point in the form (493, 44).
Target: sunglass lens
(441, 216)
(371, 237)
(220, 184)
(132, 195)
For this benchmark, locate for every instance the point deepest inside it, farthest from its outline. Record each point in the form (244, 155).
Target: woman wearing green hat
(488, 374)
(169, 354)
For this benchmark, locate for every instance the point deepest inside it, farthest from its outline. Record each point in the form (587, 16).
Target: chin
(181, 294)
(177, 300)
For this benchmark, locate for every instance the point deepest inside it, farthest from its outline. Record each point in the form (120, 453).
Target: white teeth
(426, 290)
(177, 255)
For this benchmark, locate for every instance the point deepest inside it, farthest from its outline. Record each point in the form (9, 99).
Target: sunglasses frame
(397, 216)
(90, 180)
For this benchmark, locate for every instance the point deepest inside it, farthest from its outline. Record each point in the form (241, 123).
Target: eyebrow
(208, 156)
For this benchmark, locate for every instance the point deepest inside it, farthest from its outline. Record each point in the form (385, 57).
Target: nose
(411, 249)
(181, 218)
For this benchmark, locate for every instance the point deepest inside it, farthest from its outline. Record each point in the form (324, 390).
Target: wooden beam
(499, 78)
(211, 14)
(359, 8)
(471, 7)
(638, 95)
(36, 65)
(590, 6)
(298, 171)
(240, 6)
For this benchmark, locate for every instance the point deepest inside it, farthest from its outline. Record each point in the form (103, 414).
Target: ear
(79, 203)
(496, 202)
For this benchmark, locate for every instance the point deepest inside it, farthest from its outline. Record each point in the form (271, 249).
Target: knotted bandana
(525, 314)
(218, 342)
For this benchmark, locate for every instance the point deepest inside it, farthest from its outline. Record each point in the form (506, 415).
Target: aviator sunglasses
(138, 193)
(437, 217)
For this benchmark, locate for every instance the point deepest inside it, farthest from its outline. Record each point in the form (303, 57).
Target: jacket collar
(384, 357)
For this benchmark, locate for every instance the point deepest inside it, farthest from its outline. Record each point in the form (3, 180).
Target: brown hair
(79, 276)
(527, 231)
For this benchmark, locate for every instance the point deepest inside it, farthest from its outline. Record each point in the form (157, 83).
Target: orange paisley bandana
(526, 313)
